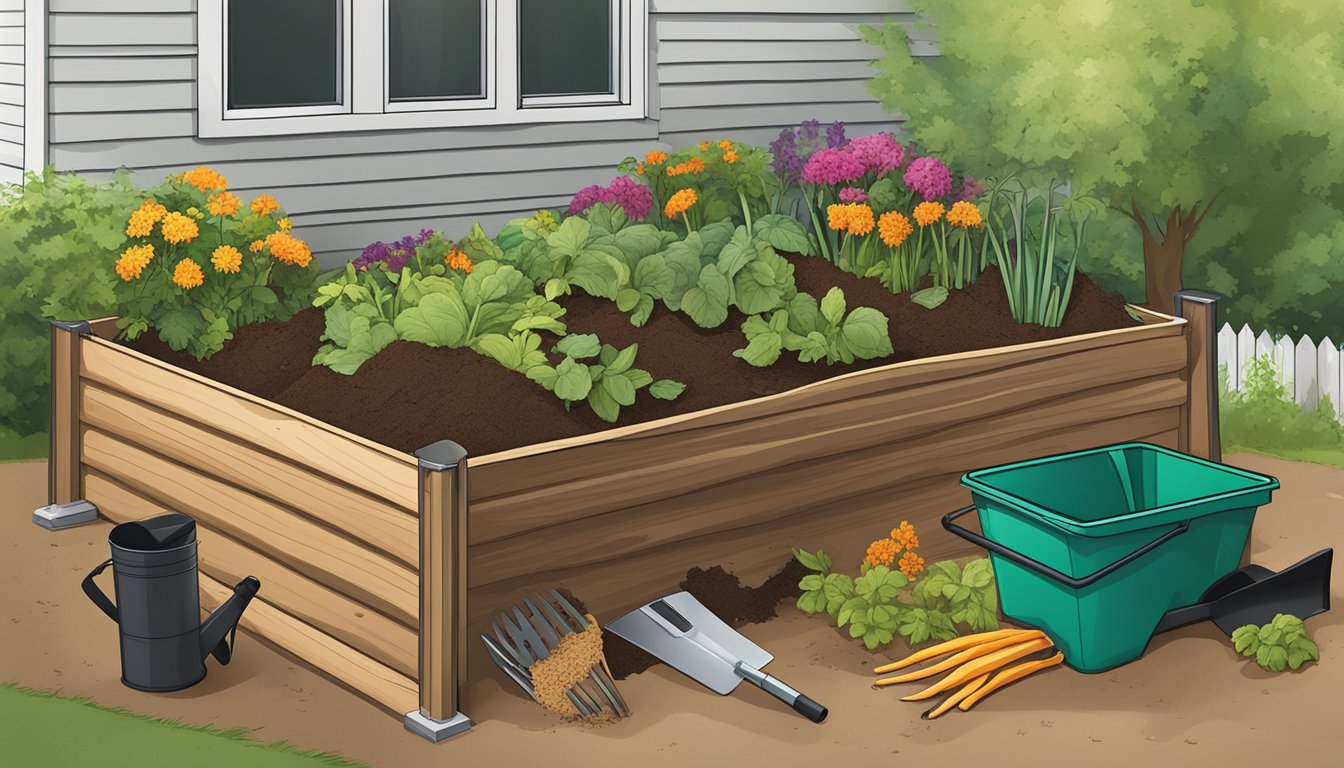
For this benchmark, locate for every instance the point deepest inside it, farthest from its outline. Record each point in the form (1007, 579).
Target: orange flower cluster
(903, 541)
(226, 258)
(704, 146)
(223, 204)
(263, 204)
(256, 245)
(693, 165)
(134, 259)
(204, 179)
(144, 218)
(187, 275)
(854, 218)
(289, 249)
(730, 156)
(928, 212)
(178, 228)
(893, 228)
(882, 552)
(911, 565)
(725, 145)
(904, 534)
(964, 214)
(655, 157)
(679, 203)
(458, 260)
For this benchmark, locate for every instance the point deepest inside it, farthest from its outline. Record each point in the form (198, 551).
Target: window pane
(434, 49)
(565, 48)
(283, 53)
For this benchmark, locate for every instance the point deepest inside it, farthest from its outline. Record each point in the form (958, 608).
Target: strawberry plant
(816, 332)
(1281, 644)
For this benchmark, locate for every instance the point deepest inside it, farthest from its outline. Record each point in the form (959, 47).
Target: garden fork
(531, 631)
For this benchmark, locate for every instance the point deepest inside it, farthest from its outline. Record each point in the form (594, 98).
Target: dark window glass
(434, 49)
(565, 47)
(283, 53)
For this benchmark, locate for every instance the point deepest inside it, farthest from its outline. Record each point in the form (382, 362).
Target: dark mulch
(410, 395)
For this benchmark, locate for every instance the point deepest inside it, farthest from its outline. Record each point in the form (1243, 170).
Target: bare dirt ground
(1189, 701)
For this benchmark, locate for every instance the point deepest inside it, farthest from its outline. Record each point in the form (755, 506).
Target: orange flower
(263, 204)
(678, 204)
(289, 249)
(893, 228)
(655, 157)
(223, 204)
(134, 259)
(226, 258)
(693, 165)
(204, 179)
(860, 219)
(928, 212)
(911, 564)
(154, 208)
(178, 228)
(141, 223)
(905, 535)
(639, 169)
(837, 216)
(730, 156)
(704, 146)
(255, 246)
(458, 260)
(881, 552)
(964, 214)
(725, 145)
(187, 275)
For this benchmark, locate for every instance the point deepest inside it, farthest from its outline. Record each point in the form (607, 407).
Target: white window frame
(366, 104)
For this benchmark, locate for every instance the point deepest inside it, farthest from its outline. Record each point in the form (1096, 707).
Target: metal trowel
(686, 635)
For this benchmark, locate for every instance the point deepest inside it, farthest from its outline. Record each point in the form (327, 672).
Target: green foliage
(1264, 417)
(1279, 645)
(873, 607)
(1234, 99)
(57, 236)
(816, 332)
(607, 384)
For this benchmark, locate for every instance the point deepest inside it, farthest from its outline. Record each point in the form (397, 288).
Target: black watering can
(158, 608)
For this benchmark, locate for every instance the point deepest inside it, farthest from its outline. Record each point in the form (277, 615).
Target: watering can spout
(225, 620)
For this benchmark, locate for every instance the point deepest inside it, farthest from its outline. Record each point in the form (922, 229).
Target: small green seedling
(1279, 645)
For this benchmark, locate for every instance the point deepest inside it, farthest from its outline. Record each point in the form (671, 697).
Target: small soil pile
(411, 395)
(570, 663)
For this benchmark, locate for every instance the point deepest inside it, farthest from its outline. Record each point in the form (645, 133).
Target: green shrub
(1264, 417)
(58, 233)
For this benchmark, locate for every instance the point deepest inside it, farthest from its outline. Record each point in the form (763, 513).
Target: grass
(1262, 418)
(26, 448)
(43, 729)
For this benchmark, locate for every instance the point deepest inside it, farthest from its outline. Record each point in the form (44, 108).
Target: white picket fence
(1308, 370)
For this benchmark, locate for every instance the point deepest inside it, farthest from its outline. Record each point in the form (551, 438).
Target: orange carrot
(980, 666)
(950, 646)
(951, 701)
(974, 652)
(1008, 676)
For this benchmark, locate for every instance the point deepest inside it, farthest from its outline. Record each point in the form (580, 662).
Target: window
(274, 67)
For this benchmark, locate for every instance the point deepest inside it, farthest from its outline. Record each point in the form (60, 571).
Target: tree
(1173, 111)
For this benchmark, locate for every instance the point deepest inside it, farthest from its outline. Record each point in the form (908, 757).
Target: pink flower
(853, 195)
(929, 177)
(970, 189)
(879, 153)
(634, 198)
(832, 166)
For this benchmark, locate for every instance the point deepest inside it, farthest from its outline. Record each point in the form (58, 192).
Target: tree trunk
(1164, 251)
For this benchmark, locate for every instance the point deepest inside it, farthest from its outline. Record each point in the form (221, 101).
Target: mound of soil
(411, 395)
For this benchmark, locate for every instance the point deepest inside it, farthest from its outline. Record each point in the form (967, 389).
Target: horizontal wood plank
(385, 687)
(229, 561)
(275, 531)
(381, 471)
(386, 528)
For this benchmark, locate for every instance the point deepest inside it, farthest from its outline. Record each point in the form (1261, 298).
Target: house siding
(122, 93)
(11, 91)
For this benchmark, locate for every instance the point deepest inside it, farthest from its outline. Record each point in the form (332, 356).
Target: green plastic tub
(1093, 547)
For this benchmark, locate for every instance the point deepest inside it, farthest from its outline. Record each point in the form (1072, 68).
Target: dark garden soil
(410, 395)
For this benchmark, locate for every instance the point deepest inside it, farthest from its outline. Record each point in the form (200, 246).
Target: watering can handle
(96, 595)
(1045, 570)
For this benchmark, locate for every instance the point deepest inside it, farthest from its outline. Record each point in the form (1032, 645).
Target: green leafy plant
(55, 231)
(816, 331)
(1276, 646)
(1263, 416)
(575, 254)
(607, 384)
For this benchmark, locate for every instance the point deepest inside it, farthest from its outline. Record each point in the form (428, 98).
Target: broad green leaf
(439, 320)
(930, 298)
(619, 388)
(179, 327)
(764, 284)
(573, 381)
(622, 361)
(653, 277)
(811, 602)
(628, 299)
(812, 581)
(599, 274)
(784, 233)
(833, 306)
(638, 378)
(713, 237)
(808, 560)
(666, 389)
(556, 287)
(643, 310)
(707, 302)
(568, 241)
(603, 404)
(737, 253)
(579, 346)
(544, 375)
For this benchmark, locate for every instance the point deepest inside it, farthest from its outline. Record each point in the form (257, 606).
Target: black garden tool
(1254, 594)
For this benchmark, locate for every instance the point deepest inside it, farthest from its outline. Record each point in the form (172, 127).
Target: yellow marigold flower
(655, 157)
(704, 146)
(860, 219)
(928, 212)
(134, 259)
(679, 203)
(696, 165)
(179, 229)
(911, 564)
(725, 145)
(964, 214)
(204, 179)
(187, 275)
(639, 169)
(730, 156)
(905, 535)
(255, 246)
(285, 224)
(693, 165)
(458, 260)
(881, 552)
(263, 204)
(893, 228)
(154, 209)
(226, 258)
(141, 223)
(223, 204)
(289, 249)
(837, 216)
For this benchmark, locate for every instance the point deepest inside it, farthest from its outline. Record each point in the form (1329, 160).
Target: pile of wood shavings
(570, 662)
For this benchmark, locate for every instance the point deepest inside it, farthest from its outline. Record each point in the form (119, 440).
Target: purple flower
(832, 166)
(879, 153)
(394, 255)
(634, 198)
(787, 163)
(929, 177)
(853, 195)
(585, 198)
(809, 132)
(835, 135)
(970, 189)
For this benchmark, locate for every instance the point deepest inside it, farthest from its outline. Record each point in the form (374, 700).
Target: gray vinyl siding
(11, 91)
(122, 93)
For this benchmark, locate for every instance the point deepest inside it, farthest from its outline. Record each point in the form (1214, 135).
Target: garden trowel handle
(782, 691)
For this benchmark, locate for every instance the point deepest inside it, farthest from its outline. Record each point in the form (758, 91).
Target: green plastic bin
(1093, 547)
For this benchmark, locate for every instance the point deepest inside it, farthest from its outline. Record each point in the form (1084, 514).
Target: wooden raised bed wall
(374, 563)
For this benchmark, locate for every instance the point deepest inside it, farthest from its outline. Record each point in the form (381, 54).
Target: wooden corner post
(443, 591)
(1199, 418)
(65, 505)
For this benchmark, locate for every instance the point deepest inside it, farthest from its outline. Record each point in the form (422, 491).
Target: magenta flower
(879, 153)
(586, 198)
(853, 195)
(929, 177)
(970, 189)
(634, 198)
(832, 166)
